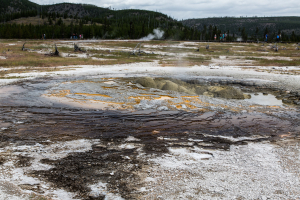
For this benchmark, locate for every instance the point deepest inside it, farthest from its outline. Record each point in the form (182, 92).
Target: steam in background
(157, 34)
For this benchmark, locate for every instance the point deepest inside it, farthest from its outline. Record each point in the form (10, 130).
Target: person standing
(266, 37)
(215, 37)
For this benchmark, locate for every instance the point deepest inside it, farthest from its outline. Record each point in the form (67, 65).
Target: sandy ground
(85, 133)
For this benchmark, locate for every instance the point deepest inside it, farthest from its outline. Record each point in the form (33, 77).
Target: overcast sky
(180, 9)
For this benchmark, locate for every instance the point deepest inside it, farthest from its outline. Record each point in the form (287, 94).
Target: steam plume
(157, 34)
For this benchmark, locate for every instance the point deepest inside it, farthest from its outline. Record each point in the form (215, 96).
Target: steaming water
(157, 34)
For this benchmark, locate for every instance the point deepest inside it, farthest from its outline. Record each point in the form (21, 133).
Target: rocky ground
(150, 131)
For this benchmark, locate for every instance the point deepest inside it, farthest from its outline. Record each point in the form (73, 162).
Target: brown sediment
(78, 170)
(138, 98)
(109, 87)
(155, 131)
(87, 94)
(59, 93)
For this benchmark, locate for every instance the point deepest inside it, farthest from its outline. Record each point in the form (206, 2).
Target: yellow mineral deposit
(99, 95)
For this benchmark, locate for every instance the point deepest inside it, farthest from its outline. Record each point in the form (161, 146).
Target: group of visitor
(277, 37)
(75, 36)
(222, 36)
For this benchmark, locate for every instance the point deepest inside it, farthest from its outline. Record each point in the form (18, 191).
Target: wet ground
(120, 137)
(97, 154)
(123, 132)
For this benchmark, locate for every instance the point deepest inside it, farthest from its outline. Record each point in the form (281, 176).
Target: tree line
(208, 33)
(115, 27)
(126, 24)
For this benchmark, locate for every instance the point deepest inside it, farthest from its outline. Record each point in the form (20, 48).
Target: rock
(208, 94)
(183, 89)
(226, 92)
(169, 85)
(147, 82)
(297, 102)
(286, 101)
(201, 89)
(247, 96)
(160, 83)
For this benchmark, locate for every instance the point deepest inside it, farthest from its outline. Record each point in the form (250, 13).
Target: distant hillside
(24, 19)
(19, 17)
(78, 10)
(253, 25)
(10, 10)
(12, 6)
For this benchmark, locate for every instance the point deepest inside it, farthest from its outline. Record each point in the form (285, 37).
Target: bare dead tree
(77, 48)
(23, 48)
(56, 53)
(137, 50)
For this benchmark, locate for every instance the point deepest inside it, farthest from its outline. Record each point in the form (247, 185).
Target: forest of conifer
(104, 23)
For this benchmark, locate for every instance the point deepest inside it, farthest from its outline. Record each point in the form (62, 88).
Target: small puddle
(262, 99)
